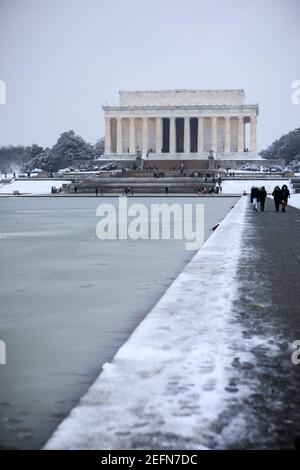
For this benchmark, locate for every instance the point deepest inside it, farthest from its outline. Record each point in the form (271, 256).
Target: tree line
(69, 147)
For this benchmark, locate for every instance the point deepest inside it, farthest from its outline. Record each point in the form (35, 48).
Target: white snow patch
(31, 187)
(7, 176)
(295, 200)
(239, 186)
(166, 385)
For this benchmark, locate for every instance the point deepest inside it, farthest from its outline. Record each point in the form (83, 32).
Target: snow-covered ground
(31, 187)
(4, 176)
(168, 384)
(295, 200)
(239, 186)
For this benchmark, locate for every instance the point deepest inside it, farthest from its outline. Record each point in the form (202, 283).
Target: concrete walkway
(269, 310)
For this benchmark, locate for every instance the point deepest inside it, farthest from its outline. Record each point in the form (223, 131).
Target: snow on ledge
(165, 387)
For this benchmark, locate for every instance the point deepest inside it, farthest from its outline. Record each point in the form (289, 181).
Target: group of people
(211, 190)
(281, 197)
(258, 197)
(54, 190)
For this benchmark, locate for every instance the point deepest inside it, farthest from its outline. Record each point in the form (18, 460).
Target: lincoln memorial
(181, 124)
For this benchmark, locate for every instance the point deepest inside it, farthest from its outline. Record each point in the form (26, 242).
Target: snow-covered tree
(99, 148)
(287, 147)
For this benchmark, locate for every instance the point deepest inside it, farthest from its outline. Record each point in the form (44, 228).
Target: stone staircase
(140, 185)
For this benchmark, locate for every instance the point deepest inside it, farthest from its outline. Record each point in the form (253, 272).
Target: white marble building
(181, 124)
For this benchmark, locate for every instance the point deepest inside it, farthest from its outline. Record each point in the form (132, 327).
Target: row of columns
(172, 139)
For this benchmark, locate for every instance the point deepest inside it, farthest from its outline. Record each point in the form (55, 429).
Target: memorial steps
(142, 184)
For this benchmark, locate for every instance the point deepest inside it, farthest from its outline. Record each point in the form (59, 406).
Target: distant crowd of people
(54, 190)
(258, 197)
(212, 190)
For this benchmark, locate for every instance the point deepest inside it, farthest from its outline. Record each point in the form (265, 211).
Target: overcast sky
(62, 59)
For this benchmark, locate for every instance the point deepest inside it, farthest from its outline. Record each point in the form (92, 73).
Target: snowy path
(168, 384)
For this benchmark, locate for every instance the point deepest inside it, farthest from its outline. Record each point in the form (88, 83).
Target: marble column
(187, 139)
(145, 135)
(241, 125)
(107, 136)
(172, 135)
(132, 148)
(227, 139)
(253, 147)
(214, 134)
(158, 135)
(119, 135)
(200, 135)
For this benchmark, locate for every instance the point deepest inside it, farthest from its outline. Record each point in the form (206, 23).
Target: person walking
(262, 198)
(255, 198)
(277, 197)
(285, 194)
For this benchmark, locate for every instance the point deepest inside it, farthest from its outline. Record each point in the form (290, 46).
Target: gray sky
(62, 59)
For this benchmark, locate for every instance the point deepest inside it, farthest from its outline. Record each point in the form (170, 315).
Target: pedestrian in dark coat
(255, 198)
(277, 197)
(251, 194)
(285, 194)
(262, 198)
